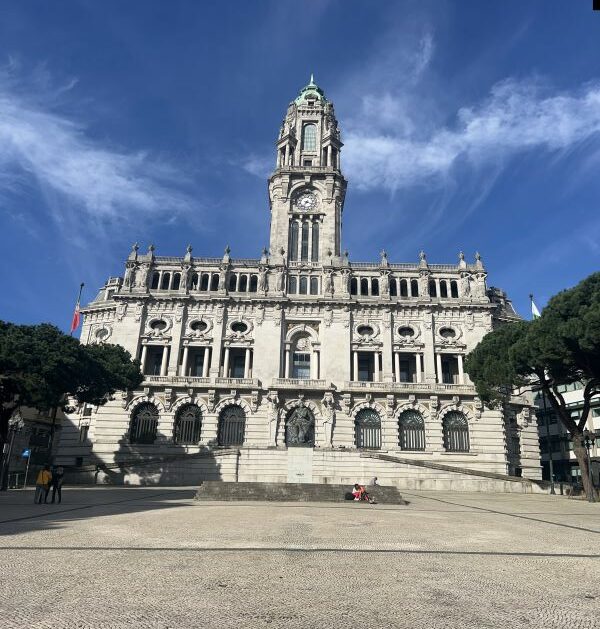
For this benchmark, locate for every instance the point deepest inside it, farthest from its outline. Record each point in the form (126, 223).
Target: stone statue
(262, 280)
(279, 280)
(141, 276)
(300, 427)
(465, 285)
(328, 282)
(385, 284)
(423, 285)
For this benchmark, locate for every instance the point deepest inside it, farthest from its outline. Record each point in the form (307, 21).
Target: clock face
(306, 201)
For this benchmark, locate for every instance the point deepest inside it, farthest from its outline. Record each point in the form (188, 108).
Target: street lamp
(15, 425)
(587, 442)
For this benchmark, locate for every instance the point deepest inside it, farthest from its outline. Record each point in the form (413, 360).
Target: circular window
(102, 334)
(365, 330)
(406, 332)
(199, 326)
(447, 333)
(158, 325)
(239, 326)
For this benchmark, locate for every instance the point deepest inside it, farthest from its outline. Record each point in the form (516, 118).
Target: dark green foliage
(42, 367)
(561, 347)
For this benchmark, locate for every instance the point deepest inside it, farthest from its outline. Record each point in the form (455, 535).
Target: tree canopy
(42, 367)
(560, 347)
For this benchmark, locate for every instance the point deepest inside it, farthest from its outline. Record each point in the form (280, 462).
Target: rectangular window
(198, 364)
(87, 410)
(308, 162)
(237, 366)
(301, 366)
(304, 245)
(365, 367)
(405, 375)
(83, 433)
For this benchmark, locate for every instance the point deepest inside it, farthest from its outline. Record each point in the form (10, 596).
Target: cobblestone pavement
(152, 557)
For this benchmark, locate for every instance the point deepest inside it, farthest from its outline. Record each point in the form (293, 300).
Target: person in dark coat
(57, 481)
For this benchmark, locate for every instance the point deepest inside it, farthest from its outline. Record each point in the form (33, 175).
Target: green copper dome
(312, 90)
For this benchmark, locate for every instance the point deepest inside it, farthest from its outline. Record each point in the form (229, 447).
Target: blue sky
(468, 125)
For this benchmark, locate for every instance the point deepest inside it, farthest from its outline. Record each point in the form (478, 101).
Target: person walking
(42, 485)
(57, 481)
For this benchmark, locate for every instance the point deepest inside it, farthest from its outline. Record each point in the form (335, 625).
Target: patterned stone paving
(153, 557)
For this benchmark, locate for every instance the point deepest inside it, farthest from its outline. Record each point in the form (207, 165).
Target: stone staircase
(290, 492)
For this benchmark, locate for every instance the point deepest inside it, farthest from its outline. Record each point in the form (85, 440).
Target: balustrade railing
(299, 383)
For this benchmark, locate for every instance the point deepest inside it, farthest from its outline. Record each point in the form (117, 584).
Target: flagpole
(78, 301)
(531, 304)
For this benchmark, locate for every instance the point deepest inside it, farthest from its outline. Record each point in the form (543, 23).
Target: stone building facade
(301, 361)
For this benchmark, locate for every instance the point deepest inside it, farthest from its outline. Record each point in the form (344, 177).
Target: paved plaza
(153, 557)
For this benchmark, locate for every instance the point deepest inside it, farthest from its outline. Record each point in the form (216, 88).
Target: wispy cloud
(516, 116)
(258, 165)
(80, 177)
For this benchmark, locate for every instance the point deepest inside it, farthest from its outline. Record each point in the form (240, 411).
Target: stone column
(247, 363)
(205, 362)
(184, 362)
(287, 363)
(461, 373)
(226, 363)
(355, 366)
(329, 164)
(419, 367)
(287, 155)
(143, 358)
(309, 253)
(438, 362)
(163, 364)
(397, 365)
(375, 366)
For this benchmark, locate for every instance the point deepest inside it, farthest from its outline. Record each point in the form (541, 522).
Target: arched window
(155, 280)
(293, 240)
(232, 283)
(353, 286)
(253, 283)
(454, 289)
(315, 242)
(432, 288)
(374, 286)
(176, 281)
(393, 287)
(243, 285)
(204, 281)
(443, 289)
(232, 425)
(403, 288)
(309, 137)
(411, 430)
(214, 282)
(456, 432)
(314, 285)
(304, 285)
(166, 278)
(304, 247)
(194, 281)
(414, 288)
(364, 286)
(292, 285)
(188, 423)
(144, 422)
(368, 429)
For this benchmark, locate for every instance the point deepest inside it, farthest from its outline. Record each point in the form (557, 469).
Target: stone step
(290, 492)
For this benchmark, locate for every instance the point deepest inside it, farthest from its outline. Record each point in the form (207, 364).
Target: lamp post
(587, 442)
(15, 425)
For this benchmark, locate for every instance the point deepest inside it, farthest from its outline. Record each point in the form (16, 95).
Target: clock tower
(307, 188)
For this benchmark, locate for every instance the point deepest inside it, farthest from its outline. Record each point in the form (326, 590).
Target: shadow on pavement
(19, 514)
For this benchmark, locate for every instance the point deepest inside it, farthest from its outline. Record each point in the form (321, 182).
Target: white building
(301, 347)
